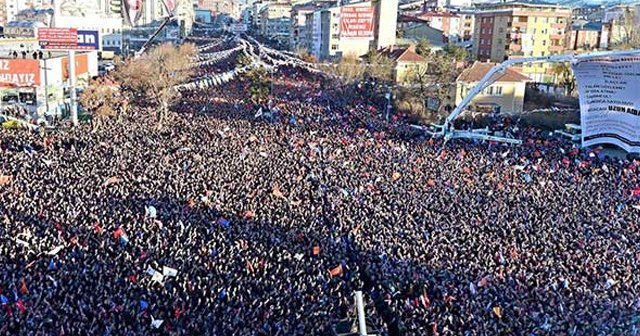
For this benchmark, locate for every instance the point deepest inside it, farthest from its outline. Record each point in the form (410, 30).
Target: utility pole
(72, 87)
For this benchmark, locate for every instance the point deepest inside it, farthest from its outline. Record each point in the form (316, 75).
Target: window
(544, 43)
(484, 20)
(490, 30)
(334, 47)
(490, 90)
(484, 31)
(490, 20)
(498, 90)
(481, 41)
(546, 20)
(500, 30)
(499, 41)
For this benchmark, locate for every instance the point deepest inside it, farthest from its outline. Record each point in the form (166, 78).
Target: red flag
(133, 278)
(23, 287)
(117, 233)
(20, 306)
(431, 182)
(97, 228)
(635, 192)
(336, 271)
(249, 214)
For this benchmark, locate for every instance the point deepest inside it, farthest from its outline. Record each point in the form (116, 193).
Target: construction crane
(164, 23)
(172, 17)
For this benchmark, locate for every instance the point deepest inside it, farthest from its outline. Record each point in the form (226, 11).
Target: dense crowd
(273, 213)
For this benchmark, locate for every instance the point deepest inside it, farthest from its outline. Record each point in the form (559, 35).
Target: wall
(511, 99)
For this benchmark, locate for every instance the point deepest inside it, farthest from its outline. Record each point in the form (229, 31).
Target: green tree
(259, 84)
(456, 52)
(423, 48)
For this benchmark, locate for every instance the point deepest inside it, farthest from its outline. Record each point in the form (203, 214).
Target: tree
(155, 75)
(566, 78)
(380, 67)
(630, 35)
(456, 52)
(348, 70)
(306, 56)
(423, 48)
(243, 60)
(101, 98)
(259, 83)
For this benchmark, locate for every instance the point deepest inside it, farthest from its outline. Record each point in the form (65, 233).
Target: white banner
(609, 100)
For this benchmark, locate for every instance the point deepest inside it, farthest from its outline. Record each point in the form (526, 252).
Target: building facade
(589, 36)
(505, 95)
(275, 20)
(515, 29)
(448, 23)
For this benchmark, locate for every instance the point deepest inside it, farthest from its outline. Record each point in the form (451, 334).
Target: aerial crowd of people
(263, 218)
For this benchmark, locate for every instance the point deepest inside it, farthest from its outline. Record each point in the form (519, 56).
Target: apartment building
(516, 29)
(275, 20)
(586, 35)
(298, 25)
(449, 23)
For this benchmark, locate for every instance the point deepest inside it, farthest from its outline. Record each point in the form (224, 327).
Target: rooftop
(480, 69)
(402, 54)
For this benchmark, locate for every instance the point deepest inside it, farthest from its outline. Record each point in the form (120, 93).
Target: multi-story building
(385, 21)
(449, 23)
(521, 29)
(298, 24)
(467, 21)
(275, 20)
(624, 20)
(229, 7)
(323, 30)
(588, 35)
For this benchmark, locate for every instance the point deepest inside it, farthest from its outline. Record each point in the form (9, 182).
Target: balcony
(556, 48)
(520, 24)
(556, 36)
(516, 54)
(515, 47)
(558, 25)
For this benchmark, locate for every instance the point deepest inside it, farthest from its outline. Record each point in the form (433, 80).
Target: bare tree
(101, 98)
(348, 70)
(630, 35)
(566, 78)
(155, 75)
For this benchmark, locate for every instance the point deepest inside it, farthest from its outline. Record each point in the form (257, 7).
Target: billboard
(356, 22)
(88, 40)
(19, 72)
(68, 39)
(57, 38)
(609, 100)
(82, 66)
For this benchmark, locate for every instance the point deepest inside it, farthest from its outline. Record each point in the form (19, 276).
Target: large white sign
(610, 100)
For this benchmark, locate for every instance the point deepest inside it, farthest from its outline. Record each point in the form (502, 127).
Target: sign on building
(356, 22)
(57, 38)
(19, 72)
(68, 39)
(88, 40)
(609, 100)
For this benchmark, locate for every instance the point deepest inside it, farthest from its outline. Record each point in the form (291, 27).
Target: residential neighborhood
(420, 42)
